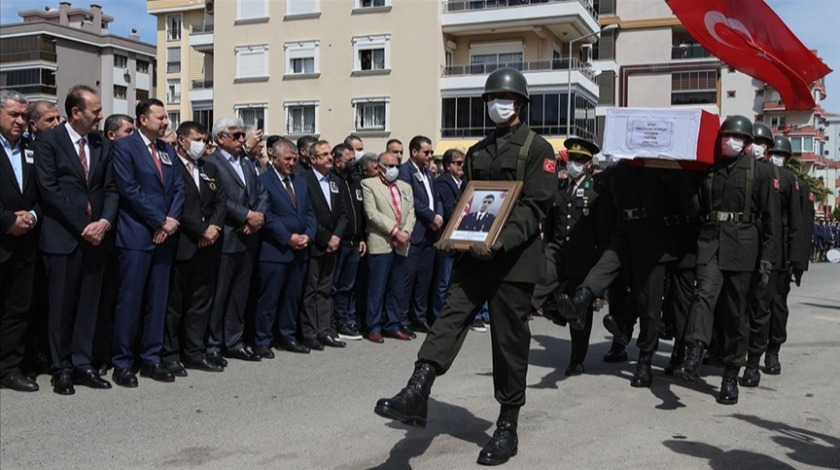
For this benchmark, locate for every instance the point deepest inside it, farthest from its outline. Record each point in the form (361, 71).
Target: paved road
(316, 411)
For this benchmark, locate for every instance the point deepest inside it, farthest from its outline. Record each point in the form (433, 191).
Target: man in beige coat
(389, 209)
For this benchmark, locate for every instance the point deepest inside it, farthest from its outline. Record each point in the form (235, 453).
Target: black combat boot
(688, 370)
(574, 309)
(617, 353)
(410, 406)
(677, 358)
(772, 365)
(751, 376)
(505, 443)
(643, 376)
(729, 386)
(613, 326)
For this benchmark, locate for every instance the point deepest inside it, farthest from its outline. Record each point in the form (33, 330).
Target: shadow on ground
(807, 447)
(719, 459)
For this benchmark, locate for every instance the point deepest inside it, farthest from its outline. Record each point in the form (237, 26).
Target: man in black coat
(449, 186)
(193, 281)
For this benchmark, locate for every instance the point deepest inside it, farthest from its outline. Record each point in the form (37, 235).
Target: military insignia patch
(164, 158)
(549, 165)
(811, 196)
(776, 183)
(796, 184)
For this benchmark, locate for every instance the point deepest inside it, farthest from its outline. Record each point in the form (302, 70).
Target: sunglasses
(459, 163)
(392, 166)
(236, 135)
(428, 152)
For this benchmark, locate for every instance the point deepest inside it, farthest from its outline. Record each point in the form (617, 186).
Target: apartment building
(378, 68)
(52, 50)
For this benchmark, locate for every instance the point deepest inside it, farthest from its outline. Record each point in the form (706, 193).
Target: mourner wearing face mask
(734, 252)
(501, 273)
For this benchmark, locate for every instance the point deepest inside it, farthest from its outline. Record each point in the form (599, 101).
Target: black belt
(635, 213)
(733, 217)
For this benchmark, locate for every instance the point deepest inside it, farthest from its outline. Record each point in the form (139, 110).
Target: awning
(556, 143)
(463, 144)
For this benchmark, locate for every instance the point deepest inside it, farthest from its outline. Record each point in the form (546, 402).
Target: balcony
(201, 90)
(538, 73)
(565, 18)
(8, 56)
(201, 37)
(774, 105)
(689, 51)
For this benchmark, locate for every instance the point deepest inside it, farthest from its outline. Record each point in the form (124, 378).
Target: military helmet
(737, 125)
(763, 133)
(782, 145)
(506, 81)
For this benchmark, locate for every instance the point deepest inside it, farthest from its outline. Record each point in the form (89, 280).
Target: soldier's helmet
(737, 125)
(506, 81)
(763, 134)
(782, 146)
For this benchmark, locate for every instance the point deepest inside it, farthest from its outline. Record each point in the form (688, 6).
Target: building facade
(55, 49)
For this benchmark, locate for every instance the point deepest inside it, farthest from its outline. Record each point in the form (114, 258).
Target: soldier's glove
(484, 252)
(446, 247)
(764, 268)
(797, 276)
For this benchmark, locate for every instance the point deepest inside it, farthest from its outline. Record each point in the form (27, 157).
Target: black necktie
(291, 191)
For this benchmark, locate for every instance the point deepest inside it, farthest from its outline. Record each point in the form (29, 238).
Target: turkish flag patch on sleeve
(811, 197)
(796, 183)
(776, 183)
(549, 165)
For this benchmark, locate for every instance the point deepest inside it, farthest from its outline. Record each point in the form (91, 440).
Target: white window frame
(358, 5)
(180, 29)
(124, 89)
(303, 50)
(315, 11)
(251, 50)
(174, 123)
(361, 43)
(238, 108)
(289, 105)
(239, 15)
(175, 86)
(361, 101)
(122, 58)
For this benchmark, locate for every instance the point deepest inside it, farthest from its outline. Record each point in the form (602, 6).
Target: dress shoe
(408, 331)
(205, 365)
(643, 376)
(264, 352)
(617, 353)
(375, 337)
(217, 358)
(575, 368)
(411, 405)
(156, 372)
(313, 344)
(349, 333)
(398, 335)
(292, 346)
(62, 383)
(478, 326)
(421, 327)
(124, 378)
(90, 378)
(332, 342)
(505, 443)
(689, 370)
(102, 370)
(19, 382)
(176, 368)
(242, 354)
(772, 365)
(729, 387)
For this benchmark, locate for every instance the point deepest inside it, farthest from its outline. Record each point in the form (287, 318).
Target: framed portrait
(481, 212)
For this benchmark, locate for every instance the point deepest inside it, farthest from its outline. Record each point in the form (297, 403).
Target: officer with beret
(501, 273)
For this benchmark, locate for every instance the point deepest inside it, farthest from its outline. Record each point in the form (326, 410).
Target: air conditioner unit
(209, 7)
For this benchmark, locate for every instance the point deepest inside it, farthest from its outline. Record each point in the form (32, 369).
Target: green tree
(796, 167)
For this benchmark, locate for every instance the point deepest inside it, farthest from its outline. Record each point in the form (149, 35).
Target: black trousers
(104, 335)
(227, 320)
(75, 282)
(510, 334)
(317, 304)
(723, 295)
(542, 291)
(681, 297)
(779, 312)
(608, 267)
(759, 313)
(648, 289)
(191, 289)
(580, 338)
(16, 281)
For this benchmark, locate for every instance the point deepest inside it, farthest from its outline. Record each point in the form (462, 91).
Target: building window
(174, 120)
(173, 27)
(372, 53)
(604, 49)
(808, 144)
(372, 3)
(142, 66)
(301, 118)
(34, 81)
(371, 115)
(302, 7)
(302, 57)
(730, 94)
(487, 57)
(173, 91)
(141, 95)
(252, 61)
(694, 87)
(120, 92)
(777, 121)
(120, 61)
(796, 144)
(252, 115)
(203, 117)
(173, 59)
(251, 9)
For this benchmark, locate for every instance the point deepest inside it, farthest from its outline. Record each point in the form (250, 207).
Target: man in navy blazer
(288, 233)
(151, 187)
(428, 210)
(79, 201)
(449, 186)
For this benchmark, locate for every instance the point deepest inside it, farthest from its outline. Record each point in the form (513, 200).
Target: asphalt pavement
(316, 411)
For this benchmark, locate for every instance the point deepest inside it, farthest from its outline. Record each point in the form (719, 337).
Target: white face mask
(501, 111)
(196, 149)
(777, 160)
(359, 154)
(732, 146)
(575, 169)
(759, 151)
(391, 174)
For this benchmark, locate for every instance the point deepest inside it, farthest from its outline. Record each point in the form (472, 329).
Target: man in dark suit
(289, 229)
(449, 187)
(329, 203)
(428, 210)
(480, 220)
(246, 206)
(18, 237)
(197, 257)
(151, 201)
(79, 201)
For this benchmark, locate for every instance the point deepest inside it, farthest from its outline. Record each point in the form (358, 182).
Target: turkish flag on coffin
(749, 36)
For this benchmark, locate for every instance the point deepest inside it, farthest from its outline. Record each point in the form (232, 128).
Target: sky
(815, 22)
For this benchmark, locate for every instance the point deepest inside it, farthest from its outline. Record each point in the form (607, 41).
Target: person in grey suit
(246, 206)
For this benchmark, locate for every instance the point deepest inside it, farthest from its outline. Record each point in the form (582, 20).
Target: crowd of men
(826, 237)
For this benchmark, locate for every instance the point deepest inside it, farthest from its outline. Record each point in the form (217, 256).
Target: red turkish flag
(748, 36)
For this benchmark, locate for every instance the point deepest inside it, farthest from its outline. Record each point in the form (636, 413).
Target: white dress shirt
(187, 162)
(75, 137)
(236, 164)
(324, 182)
(426, 184)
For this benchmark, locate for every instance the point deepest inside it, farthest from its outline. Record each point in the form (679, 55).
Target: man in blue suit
(449, 188)
(151, 200)
(286, 237)
(428, 210)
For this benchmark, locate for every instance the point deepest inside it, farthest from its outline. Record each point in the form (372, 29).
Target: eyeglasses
(396, 165)
(458, 162)
(428, 152)
(235, 135)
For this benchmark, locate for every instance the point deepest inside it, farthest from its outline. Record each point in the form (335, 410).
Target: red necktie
(156, 160)
(83, 160)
